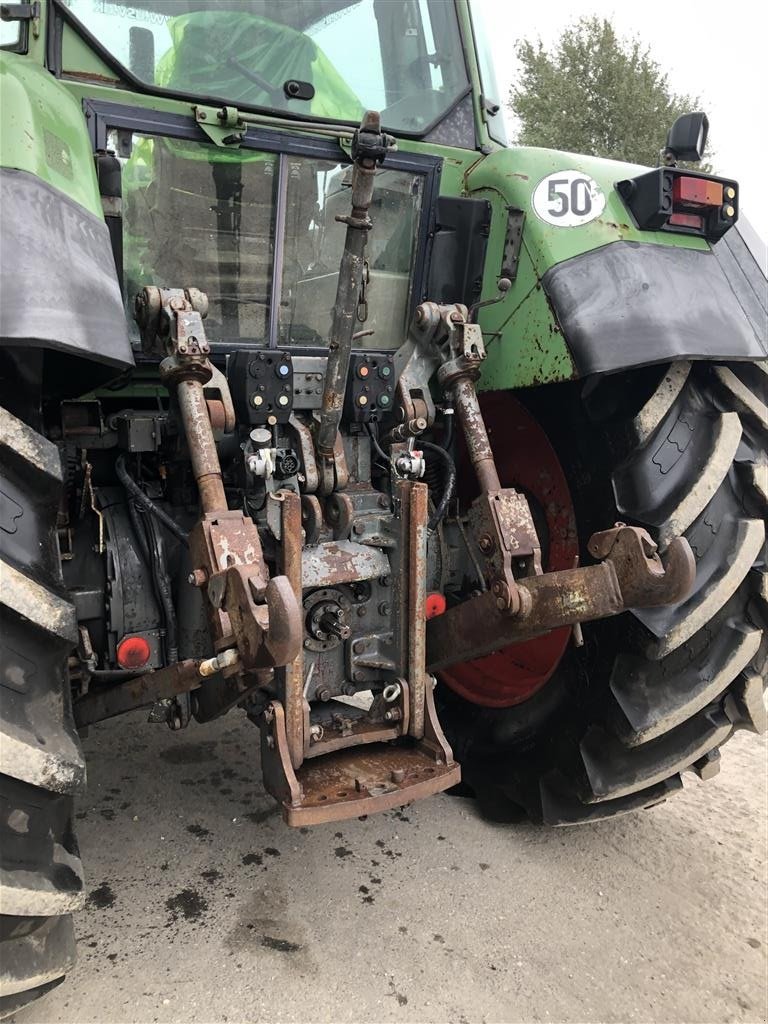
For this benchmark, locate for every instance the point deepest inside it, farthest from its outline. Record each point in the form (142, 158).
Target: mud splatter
(399, 996)
(188, 904)
(281, 945)
(198, 831)
(190, 753)
(101, 897)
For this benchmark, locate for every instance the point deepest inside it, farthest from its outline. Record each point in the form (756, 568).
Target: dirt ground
(204, 907)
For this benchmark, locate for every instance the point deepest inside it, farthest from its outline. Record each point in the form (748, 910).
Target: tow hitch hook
(645, 579)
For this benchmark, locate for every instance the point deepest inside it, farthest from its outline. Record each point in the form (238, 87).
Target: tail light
(133, 652)
(673, 199)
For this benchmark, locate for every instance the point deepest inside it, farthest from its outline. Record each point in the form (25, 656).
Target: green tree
(595, 93)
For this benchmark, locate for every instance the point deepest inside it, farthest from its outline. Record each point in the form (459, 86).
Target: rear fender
(57, 272)
(596, 294)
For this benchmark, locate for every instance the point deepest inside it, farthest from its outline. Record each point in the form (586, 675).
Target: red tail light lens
(133, 652)
(697, 192)
(686, 220)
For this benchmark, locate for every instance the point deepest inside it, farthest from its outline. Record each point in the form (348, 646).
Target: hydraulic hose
(379, 450)
(146, 503)
(450, 483)
(138, 529)
(164, 593)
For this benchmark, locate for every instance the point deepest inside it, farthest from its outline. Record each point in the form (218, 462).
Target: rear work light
(673, 199)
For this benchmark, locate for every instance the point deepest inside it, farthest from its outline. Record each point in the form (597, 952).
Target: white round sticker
(567, 199)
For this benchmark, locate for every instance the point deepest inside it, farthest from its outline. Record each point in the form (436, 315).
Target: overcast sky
(716, 51)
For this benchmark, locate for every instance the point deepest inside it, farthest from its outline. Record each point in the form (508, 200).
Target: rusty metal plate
(364, 780)
(342, 561)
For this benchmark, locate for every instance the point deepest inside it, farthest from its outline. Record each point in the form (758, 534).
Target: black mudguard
(59, 286)
(629, 304)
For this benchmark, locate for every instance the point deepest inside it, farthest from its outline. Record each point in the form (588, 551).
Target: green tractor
(443, 461)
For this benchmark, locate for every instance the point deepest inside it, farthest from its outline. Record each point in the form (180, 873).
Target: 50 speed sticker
(568, 199)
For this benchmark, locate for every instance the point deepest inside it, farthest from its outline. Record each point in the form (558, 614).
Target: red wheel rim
(526, 461)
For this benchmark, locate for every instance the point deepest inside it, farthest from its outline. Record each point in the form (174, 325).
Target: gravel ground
(204, 907)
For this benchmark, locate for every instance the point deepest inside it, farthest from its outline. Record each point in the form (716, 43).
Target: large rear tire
(656, 692)
(41, 763)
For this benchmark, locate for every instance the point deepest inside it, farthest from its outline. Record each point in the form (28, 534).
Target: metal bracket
(22, 12)
(513, 243)
(223, 125)
(502, 527)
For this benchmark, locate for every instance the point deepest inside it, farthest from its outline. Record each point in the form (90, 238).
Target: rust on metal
(342, 561)
(478, 627)
(216, 414)
(502, 524)
(141, 691)
(645, 579)
(366, 780)
(359, 780)
(630, 577)
(307, 450)
(276, 768)
(369, 147)
(290, 677)
(360, 732)
(202, 446)
(267, 625)
(472, 423)
(416, 563)
(261, 616)
(227, 538)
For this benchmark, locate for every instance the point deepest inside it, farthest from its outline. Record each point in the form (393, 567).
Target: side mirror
(687, 138)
